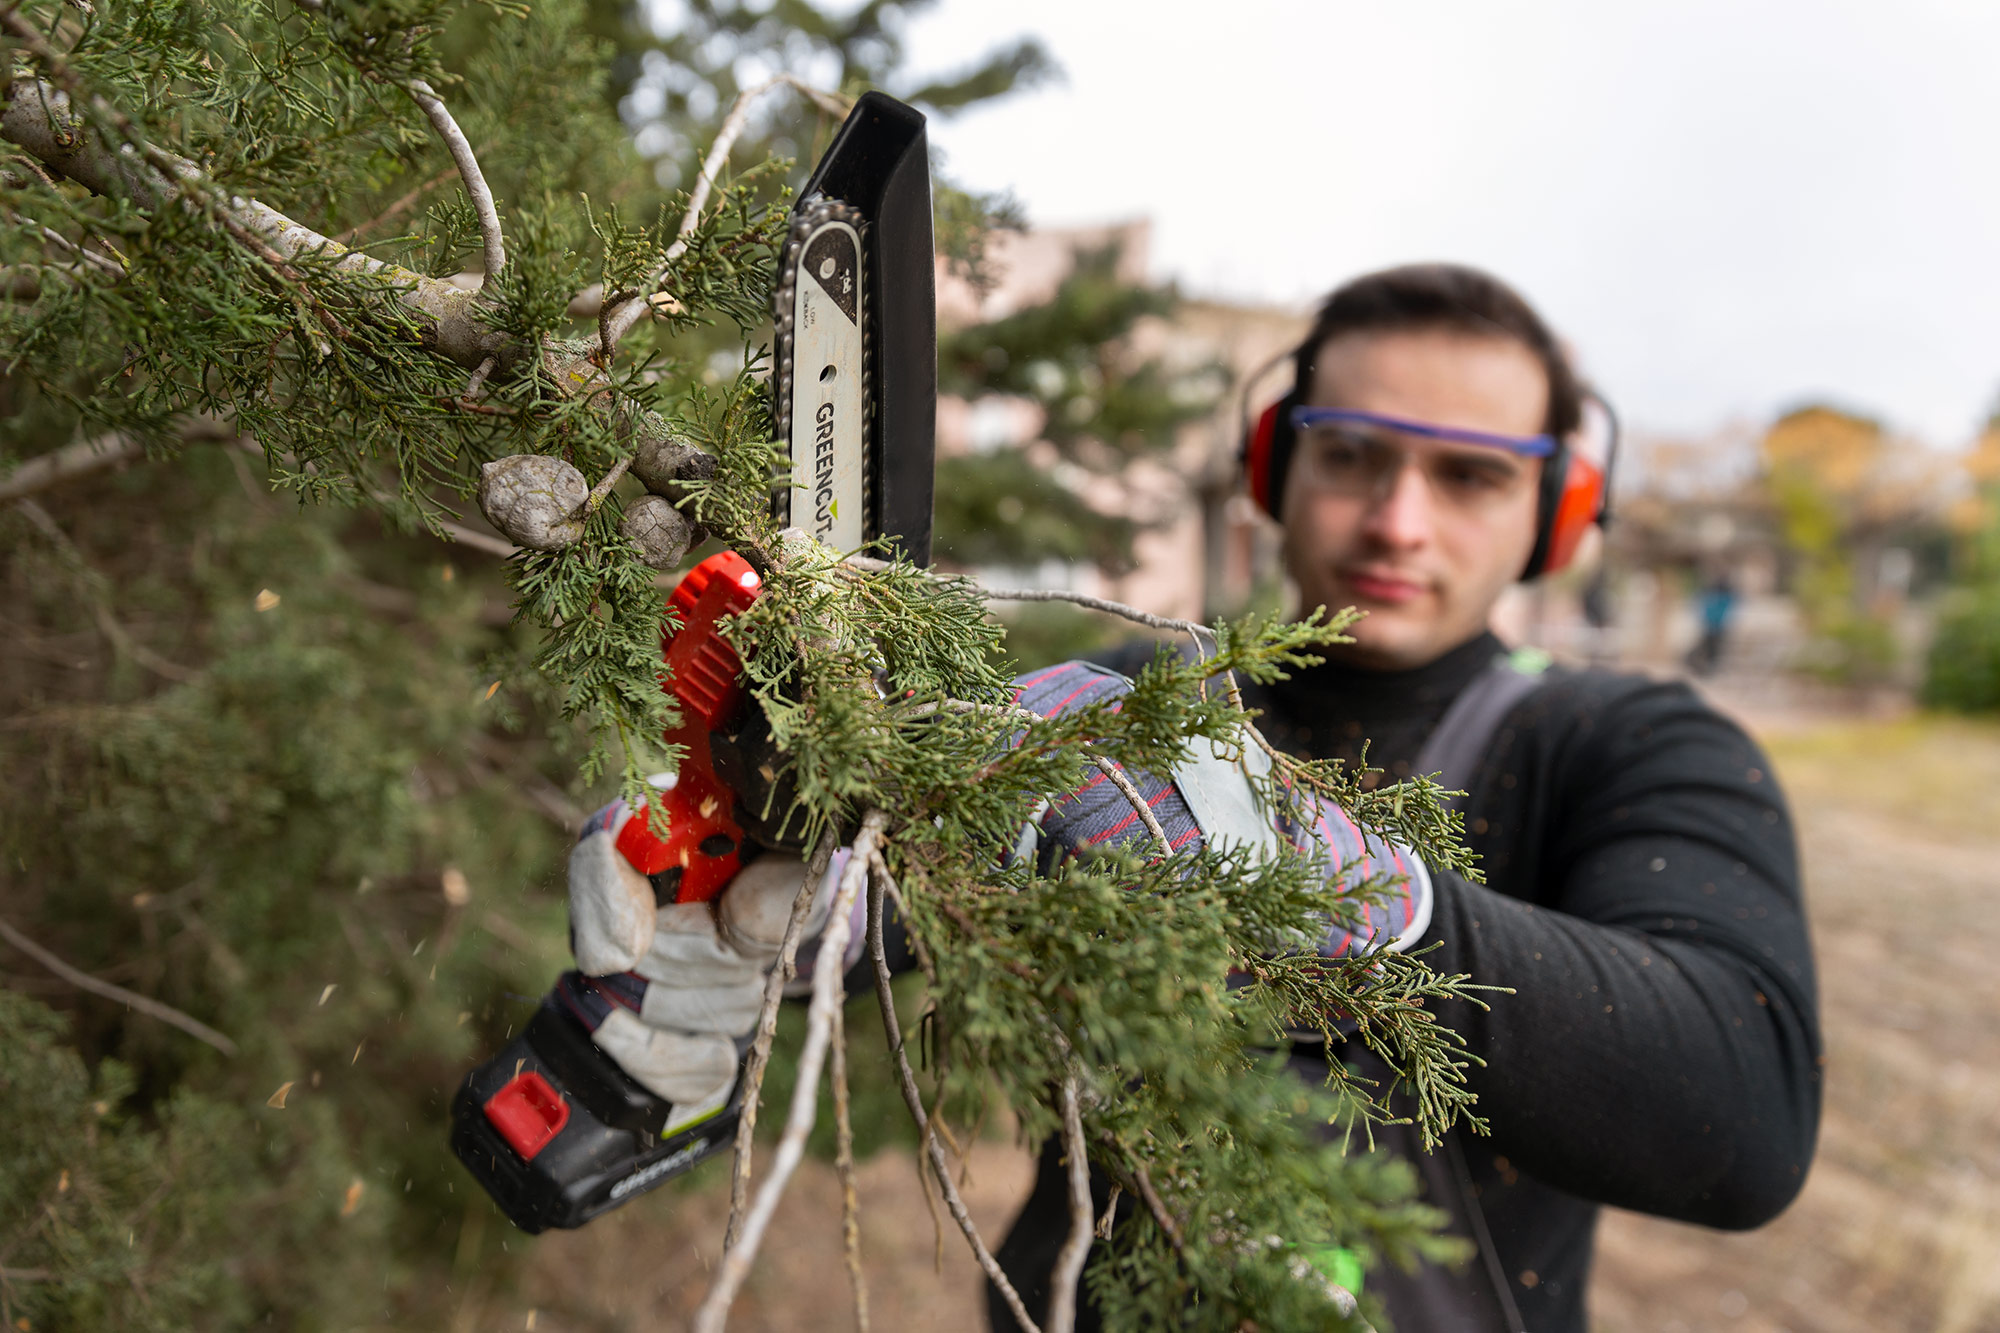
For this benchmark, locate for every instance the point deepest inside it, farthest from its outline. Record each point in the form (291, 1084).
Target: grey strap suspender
(1455, 751)
(1465, 732)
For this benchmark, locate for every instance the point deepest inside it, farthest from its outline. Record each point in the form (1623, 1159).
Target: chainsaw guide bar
(821, 319)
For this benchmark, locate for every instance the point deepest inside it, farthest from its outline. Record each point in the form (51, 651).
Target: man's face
(1424, 535)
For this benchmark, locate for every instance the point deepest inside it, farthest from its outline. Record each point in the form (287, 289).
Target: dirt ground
(1899, 1224)
(1898, 1227)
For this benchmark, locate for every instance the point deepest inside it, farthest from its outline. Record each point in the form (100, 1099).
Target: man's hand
(1211, 800)
(668, 992)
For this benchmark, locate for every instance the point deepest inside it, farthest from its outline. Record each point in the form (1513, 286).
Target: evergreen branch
(617, 318)
(1075, 1252)
(166, 1013)
(44, 120)
(826, 1000)
(907, 1080)
(767, 1027)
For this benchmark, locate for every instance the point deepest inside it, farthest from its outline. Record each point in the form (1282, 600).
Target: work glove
(1210, 799)
(672, 992)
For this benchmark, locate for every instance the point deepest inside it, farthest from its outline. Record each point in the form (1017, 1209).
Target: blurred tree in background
(1076, 366)
(1963, 670)
(1823, 465)
(1100, 406)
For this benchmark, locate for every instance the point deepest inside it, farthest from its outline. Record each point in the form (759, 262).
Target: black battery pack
(557, 1133)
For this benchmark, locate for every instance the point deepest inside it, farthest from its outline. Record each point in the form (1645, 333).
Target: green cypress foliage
(252, 768)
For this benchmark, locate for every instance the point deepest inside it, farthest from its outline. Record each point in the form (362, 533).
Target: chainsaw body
(551, 1127)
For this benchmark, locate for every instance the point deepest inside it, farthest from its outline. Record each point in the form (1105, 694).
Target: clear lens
(1364, 463)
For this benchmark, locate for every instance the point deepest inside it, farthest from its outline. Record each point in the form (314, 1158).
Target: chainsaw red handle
(701, 850)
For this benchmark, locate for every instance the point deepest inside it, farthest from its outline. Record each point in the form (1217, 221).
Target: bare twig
(843, 1165)
(973, 706)
(1124, 784)
(116, 634)
(1105, 604)
(767, 1027)
(868, 564)
(166, 1013)
(826, 997)
(475, 385)
(24, 282)
(603, 487)
(885, 995)
(887, 883)
(462, 157)
(607, 341)
(1158, 1208)
(617, 318)
(109, 267)
(1110, 1213)
(398, 208)
(1075, 1252)
(917, 946)
(97, 454)
(80, 459)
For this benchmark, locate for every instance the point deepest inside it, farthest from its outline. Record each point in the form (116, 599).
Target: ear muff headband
(1267, 454)
(1575, 492)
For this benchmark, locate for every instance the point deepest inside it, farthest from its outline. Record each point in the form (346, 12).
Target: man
(1661, 1049)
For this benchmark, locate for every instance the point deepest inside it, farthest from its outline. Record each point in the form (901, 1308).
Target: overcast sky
(1728, 206)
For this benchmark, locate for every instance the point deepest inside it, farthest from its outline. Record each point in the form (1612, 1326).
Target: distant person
(1661, 1049)
(1715, 605)
(1600, 617)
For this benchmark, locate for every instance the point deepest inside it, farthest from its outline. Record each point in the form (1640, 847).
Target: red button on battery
(528, 1113)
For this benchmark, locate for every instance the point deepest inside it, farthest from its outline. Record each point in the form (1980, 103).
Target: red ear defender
(1576, 508)
(1257, 457)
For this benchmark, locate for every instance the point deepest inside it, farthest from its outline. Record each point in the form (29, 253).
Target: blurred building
(1203, 549)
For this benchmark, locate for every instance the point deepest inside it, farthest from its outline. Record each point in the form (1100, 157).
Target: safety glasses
(1347, 452)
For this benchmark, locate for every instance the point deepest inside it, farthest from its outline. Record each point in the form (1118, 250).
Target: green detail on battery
(1337, 1264)
(686, 1125)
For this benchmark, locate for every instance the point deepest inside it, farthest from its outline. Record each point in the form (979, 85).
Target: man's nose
(1402, 514)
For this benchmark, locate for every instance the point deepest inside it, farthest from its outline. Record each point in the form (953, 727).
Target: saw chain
(821, 353)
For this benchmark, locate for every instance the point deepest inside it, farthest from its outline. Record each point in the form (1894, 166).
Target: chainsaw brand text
(640, 1179)
(823, 510)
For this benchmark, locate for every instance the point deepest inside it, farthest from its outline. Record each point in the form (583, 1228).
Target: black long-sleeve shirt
(1661, 1052)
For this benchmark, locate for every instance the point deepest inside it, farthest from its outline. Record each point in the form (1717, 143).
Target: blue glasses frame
(1533, 446)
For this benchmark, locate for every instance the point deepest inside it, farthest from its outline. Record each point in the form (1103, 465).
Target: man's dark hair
(1422, 297)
